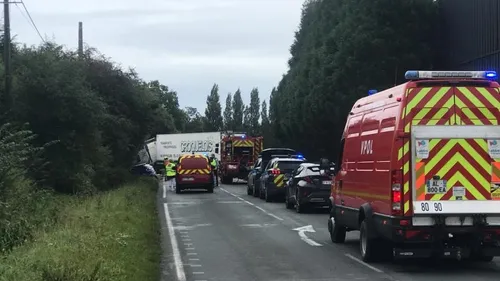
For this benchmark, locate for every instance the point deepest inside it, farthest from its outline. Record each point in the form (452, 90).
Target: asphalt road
(230, 236)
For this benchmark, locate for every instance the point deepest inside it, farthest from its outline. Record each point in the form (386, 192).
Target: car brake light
(396, 192)
(276, 171)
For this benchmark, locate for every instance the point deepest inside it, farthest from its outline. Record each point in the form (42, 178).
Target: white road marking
(186, 240)
(179, 268)
(257, 225)
(198, 272)
(363, 263)
(194, 265)
(190, 227)
(164, 188)
(188, 244)
(252, 204)
(302, 233)
(194, 259)
(190, 249)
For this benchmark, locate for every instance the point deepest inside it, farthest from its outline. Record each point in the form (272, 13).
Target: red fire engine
(238, 154)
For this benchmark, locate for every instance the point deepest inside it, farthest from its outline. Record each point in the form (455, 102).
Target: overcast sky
(186, 44)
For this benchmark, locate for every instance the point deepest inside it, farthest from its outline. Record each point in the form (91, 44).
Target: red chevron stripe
(439, 107)
(470, 107)
(484, 100)
(473, 162)
(421, 104)
(456, 148)
(467, 175)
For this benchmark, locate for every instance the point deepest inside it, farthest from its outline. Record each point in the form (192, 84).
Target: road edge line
(179, 267)
(363, 263)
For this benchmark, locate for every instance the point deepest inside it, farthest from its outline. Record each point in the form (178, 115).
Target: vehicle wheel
(262, 195)
(249, 191)
(478, 257)
(337, 232)
(255, 191)
(267, 197)
(210, 189)
(369, 249)
(298, 207)
(287, 201)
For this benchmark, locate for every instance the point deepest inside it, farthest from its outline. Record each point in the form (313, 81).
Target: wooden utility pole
(7, 56)
(80, 39)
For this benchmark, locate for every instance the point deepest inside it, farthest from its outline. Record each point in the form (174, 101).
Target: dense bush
(71, 125)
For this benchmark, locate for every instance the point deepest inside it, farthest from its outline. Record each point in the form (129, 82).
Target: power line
(31, 20)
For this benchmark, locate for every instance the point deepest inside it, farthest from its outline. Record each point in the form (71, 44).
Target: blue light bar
(371, 92)
(300, 156)
(418, 74)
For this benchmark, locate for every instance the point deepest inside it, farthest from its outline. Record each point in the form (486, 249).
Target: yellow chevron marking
(278, 180)
(416, 99)
(458, 158)
(478, 104)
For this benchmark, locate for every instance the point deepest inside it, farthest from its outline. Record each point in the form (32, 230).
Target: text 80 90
(426, 207)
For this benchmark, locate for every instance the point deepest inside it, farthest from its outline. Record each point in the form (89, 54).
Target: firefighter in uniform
(213, 163)
(170, 174)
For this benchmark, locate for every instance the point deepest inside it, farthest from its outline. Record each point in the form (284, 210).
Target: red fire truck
(238, 155)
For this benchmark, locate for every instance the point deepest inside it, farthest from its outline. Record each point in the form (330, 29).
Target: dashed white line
(164, 189)
(192, 254)
(194, 259)
(189, 249)
(252, 204)
(179, 268)
(186, 240)
(363, 263)
(194, 265)
(198, 272)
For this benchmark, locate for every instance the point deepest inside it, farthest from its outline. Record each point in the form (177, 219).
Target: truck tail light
(396, 192)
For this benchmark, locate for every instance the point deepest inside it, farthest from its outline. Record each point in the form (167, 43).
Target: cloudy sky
(186, 44)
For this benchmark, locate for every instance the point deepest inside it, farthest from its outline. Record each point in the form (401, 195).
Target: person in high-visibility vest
(213, 163)
(170, 174)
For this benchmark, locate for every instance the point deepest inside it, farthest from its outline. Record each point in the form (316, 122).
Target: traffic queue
(417, 174)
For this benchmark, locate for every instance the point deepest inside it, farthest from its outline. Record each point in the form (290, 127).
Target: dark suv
(275, 176)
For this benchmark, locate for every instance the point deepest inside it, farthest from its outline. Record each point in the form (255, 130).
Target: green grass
(111, 236)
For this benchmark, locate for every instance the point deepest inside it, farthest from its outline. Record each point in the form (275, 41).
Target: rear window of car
(194, 163)
(288, 165)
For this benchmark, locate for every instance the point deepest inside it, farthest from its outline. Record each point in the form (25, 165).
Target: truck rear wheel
(371, 249)
(337, 232)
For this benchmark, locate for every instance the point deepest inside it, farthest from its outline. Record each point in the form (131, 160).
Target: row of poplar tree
(342, 49)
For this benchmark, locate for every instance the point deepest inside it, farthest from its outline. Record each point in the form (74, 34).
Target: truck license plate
(435, 187)
(188, 179)
(327, 182)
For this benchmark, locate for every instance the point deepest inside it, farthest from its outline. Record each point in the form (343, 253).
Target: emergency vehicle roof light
(371, 92)
(417, 74)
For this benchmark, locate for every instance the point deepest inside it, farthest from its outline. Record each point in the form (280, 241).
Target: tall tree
(265, 127)
(213, 111)
(254, 109)
(228, 113)
(238, 111)
(195, 121)
(247, 120)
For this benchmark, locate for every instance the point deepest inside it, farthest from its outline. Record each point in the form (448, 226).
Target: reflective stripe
(242, 143)
(462, 163)
(194, 171)
(495, 172)
(278, 180)
(420, 184)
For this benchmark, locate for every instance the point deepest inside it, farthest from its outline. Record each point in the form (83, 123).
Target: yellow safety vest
(214, 163)
(170, 171)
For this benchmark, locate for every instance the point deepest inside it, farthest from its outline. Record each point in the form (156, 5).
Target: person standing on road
(170, 174)
(213, 163)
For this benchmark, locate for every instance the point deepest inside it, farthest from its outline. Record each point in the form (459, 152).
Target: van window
(194, 163)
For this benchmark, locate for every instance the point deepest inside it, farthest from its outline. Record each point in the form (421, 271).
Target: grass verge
(110, 236)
